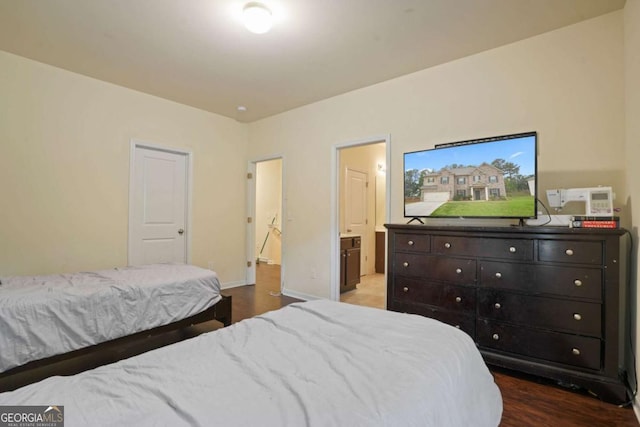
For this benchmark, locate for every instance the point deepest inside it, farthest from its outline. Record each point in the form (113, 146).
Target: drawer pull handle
(577, 316)
(447, 245)
(496, 337)
(405, 264)
(458, 270)
(569, 252)
(498, 275)
(497, 305)
(410, 243)
(577, 282)
(405, 289)
(575, 351)
(512, 249)
(458, 299)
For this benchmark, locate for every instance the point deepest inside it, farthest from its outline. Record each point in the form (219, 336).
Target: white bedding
(42, 316)
(317, 363)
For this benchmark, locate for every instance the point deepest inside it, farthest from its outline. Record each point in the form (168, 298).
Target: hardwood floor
(531, 402)
(264, 296)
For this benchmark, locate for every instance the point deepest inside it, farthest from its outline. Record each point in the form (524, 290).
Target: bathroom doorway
(362, 209)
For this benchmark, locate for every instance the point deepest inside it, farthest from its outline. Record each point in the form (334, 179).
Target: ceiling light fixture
(257, 18)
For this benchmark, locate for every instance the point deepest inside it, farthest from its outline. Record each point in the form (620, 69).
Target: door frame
(335, 203)
(133, 146)
(251, 213)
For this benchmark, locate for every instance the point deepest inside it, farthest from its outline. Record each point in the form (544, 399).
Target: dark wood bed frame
(111, 351)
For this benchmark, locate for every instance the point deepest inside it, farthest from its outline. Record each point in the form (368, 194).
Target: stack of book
(581, 221)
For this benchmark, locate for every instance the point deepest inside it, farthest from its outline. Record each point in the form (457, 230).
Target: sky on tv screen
(520, 151)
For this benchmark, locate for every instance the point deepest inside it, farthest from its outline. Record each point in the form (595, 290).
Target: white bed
(43, 316)
(317, 363)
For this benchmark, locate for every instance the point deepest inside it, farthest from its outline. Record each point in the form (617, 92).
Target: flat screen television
(481, 178)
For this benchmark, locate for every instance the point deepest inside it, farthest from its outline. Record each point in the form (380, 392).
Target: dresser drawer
(513, 249)
(574, 282)
(453, 270)
(450, 297)
(467, 323)
(573, 350)
(570, 251)
(550, 313)
(407, 242)
(497, 274)
(412, 265)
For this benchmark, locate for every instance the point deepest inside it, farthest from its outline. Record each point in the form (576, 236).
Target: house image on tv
(484, 182)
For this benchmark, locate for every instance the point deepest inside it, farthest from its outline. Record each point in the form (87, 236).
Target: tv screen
(482, 178)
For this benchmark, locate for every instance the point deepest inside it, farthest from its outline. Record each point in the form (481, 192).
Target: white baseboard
(286, 292)
(299, 295)
(235, 284)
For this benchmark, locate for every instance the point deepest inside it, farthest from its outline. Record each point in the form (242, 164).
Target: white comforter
(42, 316)
(318, 363)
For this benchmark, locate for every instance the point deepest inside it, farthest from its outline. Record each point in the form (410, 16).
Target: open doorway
(265, 250)
(362, 211)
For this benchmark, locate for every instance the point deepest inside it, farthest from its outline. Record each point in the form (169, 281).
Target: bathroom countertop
(349, 235)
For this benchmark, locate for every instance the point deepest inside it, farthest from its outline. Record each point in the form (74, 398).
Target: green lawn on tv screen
(520, 206)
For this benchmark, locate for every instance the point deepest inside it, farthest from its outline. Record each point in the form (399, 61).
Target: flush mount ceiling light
(257, 18)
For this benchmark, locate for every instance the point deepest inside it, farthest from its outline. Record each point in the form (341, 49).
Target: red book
(595, 224)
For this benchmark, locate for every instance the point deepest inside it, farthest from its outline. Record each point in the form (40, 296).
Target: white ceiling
(196, 52)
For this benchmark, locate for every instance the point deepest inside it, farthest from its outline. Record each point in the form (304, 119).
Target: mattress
(42, 316)
(318, 363)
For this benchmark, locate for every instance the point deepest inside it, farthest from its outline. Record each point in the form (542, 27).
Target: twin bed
(45, 319)
(313, 363)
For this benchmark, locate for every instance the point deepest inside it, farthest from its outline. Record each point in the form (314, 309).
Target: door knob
(181, 231)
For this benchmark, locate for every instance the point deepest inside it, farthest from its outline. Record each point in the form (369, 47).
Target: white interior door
(356, 210)
(158, 209)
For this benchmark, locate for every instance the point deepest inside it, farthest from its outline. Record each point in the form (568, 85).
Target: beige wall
(632, 110)
(64, 172)
(567, 84)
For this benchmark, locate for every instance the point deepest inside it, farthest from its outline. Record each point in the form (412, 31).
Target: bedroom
(66, 139)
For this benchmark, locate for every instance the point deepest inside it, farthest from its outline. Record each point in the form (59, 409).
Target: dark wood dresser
(548, 301)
